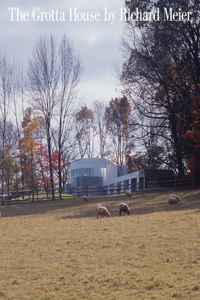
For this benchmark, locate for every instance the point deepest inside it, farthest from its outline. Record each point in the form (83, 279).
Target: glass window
(81, 172)
(151, 182)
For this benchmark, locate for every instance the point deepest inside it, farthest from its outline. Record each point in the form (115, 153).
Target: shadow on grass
(140, 204)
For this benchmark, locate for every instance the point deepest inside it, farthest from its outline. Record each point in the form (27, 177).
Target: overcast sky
(97, 42)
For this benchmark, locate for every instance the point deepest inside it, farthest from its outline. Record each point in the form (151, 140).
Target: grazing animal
(102, 211)
(85, 198)
(128, 194)
(98, 206)
(175, 196)
(124, 208)
(173, 199)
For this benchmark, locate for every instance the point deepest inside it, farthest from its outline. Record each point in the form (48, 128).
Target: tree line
(161, 78)
(43, 127)
(155, 123)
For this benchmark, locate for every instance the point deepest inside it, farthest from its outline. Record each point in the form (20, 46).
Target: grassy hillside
(61, 251)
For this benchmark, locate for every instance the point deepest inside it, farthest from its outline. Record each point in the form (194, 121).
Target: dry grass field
(59, 250)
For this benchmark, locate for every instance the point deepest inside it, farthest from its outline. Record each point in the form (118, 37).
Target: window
(141, 183)
(112, 188)
(151, 182)
(119, 187)
(133, 184)
(81, 172)
(126, 185)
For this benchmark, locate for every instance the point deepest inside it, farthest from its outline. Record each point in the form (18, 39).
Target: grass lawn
(60, 250)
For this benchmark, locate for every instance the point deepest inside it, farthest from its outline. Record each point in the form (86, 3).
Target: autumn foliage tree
(161, 75)
(85, 131)
(117, 120)
(8, 169)
(28, 146)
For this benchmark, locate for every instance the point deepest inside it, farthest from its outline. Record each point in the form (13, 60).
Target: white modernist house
(89, 172)
(93, 172)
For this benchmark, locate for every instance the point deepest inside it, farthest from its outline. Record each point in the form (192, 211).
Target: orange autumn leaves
(30, 126)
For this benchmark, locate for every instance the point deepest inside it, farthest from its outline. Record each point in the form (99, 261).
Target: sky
(95, 40)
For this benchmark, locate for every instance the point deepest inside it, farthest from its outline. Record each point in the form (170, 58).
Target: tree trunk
(50, 161)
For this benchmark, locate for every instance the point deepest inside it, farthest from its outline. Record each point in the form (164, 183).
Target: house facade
(98, 172)
(93, 172)
(138, 180)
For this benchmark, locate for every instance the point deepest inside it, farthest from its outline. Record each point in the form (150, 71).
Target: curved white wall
(97, 165)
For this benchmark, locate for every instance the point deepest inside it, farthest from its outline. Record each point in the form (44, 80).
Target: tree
(43, 76)
(28, 146)
(18, 98)
(53, 75)
(5, 92)
(42, 167)
(85, 131)
(7, 169)
(162, 72)
(137, 162)
(149, 138)
(41, 161)
(7, 128)
(29, 126)
(99, 108)
(70, 72)
(192, 136)
(117, 120)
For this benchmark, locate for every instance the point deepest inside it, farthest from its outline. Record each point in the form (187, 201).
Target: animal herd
(123, 207)
(103, 211)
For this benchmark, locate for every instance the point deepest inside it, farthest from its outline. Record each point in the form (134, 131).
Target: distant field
(59, 250)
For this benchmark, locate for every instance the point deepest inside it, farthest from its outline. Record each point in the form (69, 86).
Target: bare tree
(18, 98)
(5, 93)
(99, 108)
(43, 83)
(70, 72)
(54, 73)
